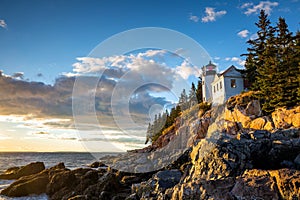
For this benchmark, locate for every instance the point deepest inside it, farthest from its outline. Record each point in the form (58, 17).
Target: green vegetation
(165, 121)
(273, 64)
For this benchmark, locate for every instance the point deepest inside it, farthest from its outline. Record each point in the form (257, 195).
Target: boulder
(237, 115)
(61, 180)
(285, 118)
(296, 120)
(253, 109)
(28, 185)
(18, 172)
(97, 164)
(258, 123)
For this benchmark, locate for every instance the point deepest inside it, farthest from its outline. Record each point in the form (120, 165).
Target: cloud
(243, 33)
(3, 24)
(253, 36)
(139, 78)
(211, 15)
(20, 97)
(237, 60)
(194, 18)
(185, 70)
(263, 5)
(286, 10)
(245, 5)
(18, 75)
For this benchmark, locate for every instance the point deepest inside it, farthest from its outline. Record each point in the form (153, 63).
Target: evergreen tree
(183, 100)
(199, 91)
(288, 70)
(272, 64)
(192, 96)
(267, 79)
(257, 47)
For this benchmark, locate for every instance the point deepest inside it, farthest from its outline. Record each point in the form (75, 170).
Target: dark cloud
(39, 75)
(22, 97)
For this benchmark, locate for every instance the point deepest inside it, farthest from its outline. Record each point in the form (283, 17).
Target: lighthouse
(208, 75)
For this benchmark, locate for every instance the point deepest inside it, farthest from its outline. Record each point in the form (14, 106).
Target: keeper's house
(218, 87)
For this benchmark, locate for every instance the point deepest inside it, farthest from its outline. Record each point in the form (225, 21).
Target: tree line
(166, 119)
(273, 64)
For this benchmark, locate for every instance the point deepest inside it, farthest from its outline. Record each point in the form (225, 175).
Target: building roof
(227, 70)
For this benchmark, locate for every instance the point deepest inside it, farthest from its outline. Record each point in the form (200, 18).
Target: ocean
(71, 160)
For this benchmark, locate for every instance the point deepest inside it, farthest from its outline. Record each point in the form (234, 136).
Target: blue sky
(50, 42)
(46, 36)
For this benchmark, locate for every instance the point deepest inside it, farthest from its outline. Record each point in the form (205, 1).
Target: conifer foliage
(166, 119)
(273, 64)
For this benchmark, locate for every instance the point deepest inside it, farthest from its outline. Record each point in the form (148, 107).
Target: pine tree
(183, 100)
(272, 64)
(199, 91)
(288, 70)
(267, 80)
(192, 96)
(257, 47)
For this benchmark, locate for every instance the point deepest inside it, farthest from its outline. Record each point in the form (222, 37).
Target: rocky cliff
(229, 152)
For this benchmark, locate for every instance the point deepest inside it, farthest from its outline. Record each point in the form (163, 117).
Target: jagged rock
(157, 185)
(285, 118)
(231, 128)
(166, 179)
(61, 180)
(106, 187)
(15, 173)
(237, 115)
(255, 184)
(288, 182)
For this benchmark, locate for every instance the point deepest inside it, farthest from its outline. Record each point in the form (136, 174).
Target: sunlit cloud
(211, 15)
(267, 6)
(243, 33)
(237, 60)
(185, 70)
(4, 137)
(3, 24)
(253, 36)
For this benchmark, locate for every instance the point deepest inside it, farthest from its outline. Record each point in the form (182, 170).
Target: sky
(48, 46)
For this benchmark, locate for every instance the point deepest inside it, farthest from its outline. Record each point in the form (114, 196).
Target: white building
(217, 88)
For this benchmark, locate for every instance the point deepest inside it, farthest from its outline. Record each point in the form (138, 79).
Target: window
(233, 83)
(220, 85)
(202, 82)
(217, 87)
(214, 89)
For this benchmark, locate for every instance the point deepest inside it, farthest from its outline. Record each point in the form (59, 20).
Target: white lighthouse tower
(208, 75)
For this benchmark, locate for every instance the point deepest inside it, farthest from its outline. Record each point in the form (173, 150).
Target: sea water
(71, 161)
